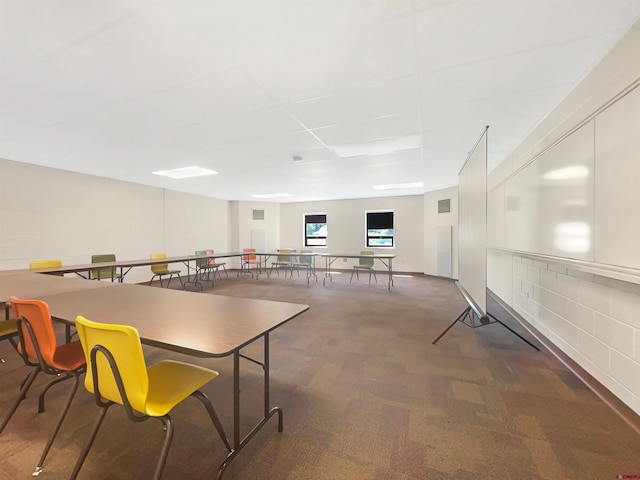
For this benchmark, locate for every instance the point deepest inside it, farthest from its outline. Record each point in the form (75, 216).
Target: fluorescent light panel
(185, 172)
(377, 147)
(396, 186)
(271, 195)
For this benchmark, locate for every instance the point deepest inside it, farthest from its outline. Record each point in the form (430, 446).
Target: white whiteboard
(472, 225)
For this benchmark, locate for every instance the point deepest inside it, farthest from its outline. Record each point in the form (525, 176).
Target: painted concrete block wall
(593, 318)
(48, 213)
(432, 219)
(346, 227)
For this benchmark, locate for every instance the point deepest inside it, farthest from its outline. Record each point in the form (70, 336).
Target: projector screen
(472, 228)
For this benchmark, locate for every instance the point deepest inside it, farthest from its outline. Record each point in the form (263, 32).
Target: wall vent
(444, 206)
(258, 214)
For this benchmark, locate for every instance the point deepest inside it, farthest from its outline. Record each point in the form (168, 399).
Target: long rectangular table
(185, 322)
(385, 258)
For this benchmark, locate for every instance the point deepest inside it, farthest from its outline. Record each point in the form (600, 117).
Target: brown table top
(187, 322)
(30, 285)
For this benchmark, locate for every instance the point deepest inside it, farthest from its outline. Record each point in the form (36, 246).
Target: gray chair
(366, 263)
(305, 262)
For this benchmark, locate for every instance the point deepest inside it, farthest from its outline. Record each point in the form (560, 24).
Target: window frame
(380, 220)
(306, 237)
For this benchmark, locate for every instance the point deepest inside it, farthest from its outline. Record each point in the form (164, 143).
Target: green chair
(106, 272)
(117, 374)
(202, 271)
(162, 269)
(366, 263)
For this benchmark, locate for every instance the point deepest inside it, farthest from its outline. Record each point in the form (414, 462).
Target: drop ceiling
(122, 88)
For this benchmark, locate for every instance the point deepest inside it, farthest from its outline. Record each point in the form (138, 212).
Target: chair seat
(69, 356)
(8, 328)
(170, 382)
(166, 272)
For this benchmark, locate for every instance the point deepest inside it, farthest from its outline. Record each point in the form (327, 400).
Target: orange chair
(215, 266)
(249, 259)
(39, 349)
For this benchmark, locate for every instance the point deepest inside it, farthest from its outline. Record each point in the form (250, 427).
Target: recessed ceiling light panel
(377, 147)
(185, 172)
(396, 186)
(271, 195)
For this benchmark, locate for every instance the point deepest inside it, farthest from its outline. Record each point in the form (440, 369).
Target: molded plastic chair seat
(35, 264)
(107, 273)
(39, 349)
(9, 331)
(117, 373)
(214, 265)
(162, 269)
(283, 261)
(365, 264)
(305, 262)
(249, 259)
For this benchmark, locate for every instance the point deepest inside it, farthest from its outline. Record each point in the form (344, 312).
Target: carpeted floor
(365, 396)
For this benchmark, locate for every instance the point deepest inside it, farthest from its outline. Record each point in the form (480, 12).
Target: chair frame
(40, 365)
(134, 415)
(171, 273)
(308, 265)
(281, 263)
(249, 257)
(363, 266)
(97, 273)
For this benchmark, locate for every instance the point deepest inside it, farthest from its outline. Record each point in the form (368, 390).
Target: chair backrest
(367, 261)
(251, 254)
(37, 314)
(201, 262)
(284, 258)
(160, 267)
(305, 259)
(107, 272)
(209, 251)
(46, 264)
(123, 343)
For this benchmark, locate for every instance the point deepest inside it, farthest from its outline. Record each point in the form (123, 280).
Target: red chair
(215, 266)
(39, 349)
(247, 260)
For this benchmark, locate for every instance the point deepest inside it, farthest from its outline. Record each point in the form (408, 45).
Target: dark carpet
(365, 396)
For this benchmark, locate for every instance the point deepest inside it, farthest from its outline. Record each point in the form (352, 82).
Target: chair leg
(23, 393)
(352, 275)
(214, 417)
(87, 447)
(61, 418)
(49, 385)
(168, 424)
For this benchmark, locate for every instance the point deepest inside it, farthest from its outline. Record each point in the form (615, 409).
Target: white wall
(48, 213)
(346, 227)
(433, 220)
(583, 308)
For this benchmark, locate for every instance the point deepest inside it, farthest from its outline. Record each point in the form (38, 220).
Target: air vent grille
(444, 206)
(258, 214)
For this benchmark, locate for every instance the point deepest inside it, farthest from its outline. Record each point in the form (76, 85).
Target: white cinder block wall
(47, 213)
(592, 317)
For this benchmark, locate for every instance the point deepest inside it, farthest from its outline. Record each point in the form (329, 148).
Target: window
(315, 229)
(379, 229)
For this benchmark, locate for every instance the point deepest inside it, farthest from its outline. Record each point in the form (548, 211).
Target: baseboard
(630, 417)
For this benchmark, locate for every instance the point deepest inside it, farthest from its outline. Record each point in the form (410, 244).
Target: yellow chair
(365, 264)
(8, 331)
(34, 265)
(162, 269)
(117, 373)
(283, 261)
